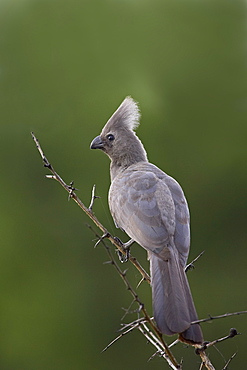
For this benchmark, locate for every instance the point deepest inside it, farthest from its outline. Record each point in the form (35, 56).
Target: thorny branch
(201, 351)
(71, 190)
(152, 335)
(210, 318)
(115, 241)
(157, 338)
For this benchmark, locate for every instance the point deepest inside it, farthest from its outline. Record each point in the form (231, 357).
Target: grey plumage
(151, 208)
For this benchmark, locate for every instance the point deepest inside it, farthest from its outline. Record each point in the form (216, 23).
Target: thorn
(141, 307)
(142, 279)
(97, 243)
(106, 235)
(153, 356)
(71, 189)
(124, 272)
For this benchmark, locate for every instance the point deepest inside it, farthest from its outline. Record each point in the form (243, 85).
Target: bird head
(118, 139)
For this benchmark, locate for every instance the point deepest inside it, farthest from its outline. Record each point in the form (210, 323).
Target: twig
(120, 336)
(176, 341)
(205, 361)
(210, 318)
(71, 190)
(228, 362)
(201, 366)
(232, 333)
(156, 343)
(165, 352)
(201, 351)
(93, 198)
(191, 264)
(133, 323)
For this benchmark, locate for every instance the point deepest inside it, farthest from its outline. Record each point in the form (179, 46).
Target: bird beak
(97, 143)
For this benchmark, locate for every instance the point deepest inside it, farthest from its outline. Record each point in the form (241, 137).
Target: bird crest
(126, 116)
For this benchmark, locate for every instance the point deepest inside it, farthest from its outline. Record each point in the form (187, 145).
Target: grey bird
(151, 208)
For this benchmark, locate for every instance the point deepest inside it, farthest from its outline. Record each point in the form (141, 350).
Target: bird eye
(110, 137)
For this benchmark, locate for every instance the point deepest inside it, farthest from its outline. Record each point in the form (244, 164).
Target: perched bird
(151, 208)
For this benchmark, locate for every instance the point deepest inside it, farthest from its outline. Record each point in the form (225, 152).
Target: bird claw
(126, 246)
(123, 257)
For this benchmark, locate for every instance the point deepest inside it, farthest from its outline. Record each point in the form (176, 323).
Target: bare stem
(228, 362)
(205, 361)
(210, 318)
(201, 351)
(155, 338)
(71, 190)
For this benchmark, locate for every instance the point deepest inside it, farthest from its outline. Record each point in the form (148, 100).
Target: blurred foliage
(65, 67)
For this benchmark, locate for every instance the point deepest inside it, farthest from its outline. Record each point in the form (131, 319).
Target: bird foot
(126, 246)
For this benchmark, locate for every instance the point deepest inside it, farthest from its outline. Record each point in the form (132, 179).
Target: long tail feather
(173, 305)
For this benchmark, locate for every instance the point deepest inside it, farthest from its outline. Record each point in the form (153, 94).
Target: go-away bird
(151, 208)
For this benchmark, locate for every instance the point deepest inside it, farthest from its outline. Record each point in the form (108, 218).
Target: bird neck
(121, 164)
(128, 152)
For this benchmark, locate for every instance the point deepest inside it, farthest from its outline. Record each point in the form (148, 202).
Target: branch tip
(228, 362)
(191, 266)
(233, 332)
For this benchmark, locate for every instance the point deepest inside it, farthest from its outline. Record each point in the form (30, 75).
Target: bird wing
(182, 219)
(151, 208)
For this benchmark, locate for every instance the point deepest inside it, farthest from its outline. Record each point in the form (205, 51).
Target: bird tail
(173, 305)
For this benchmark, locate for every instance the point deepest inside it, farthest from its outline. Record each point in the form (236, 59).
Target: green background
(65, 66)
